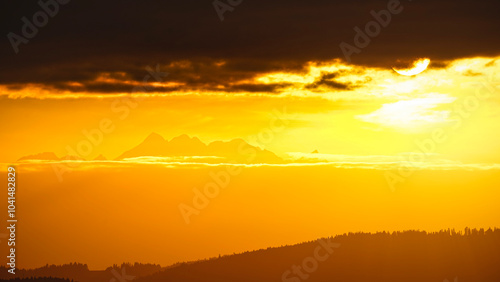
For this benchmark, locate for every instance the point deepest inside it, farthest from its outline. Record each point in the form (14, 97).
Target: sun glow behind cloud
(411, 114)
(418, 67)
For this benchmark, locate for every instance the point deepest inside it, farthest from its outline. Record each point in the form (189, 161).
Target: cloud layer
(87, 41)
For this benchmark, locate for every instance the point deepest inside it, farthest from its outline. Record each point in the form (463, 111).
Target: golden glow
(294, 205)
(381, 107)
(359, 121)
(409, 114)
(418, 67)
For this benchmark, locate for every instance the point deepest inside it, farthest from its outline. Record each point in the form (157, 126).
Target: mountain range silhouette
(233, 151)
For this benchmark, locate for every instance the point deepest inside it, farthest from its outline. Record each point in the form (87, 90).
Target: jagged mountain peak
(154, 137)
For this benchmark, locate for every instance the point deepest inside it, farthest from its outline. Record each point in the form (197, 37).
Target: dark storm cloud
(257, 87)
(88, 38)
(328, 80)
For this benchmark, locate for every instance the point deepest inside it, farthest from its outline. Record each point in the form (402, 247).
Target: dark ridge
(471, 255)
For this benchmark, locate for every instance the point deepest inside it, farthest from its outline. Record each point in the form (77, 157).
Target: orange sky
(442, 122)
(132, 213)
(165, 131)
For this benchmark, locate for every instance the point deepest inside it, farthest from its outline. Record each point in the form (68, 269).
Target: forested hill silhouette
(472, 255)
(401, 256)
(80, 272)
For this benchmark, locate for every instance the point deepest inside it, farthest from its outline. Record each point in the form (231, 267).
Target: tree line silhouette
(470, 255)
(80, 272)
(413, 256)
